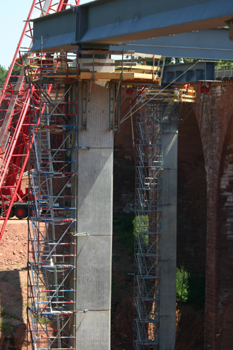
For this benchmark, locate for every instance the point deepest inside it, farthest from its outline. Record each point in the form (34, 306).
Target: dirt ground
(13, 285)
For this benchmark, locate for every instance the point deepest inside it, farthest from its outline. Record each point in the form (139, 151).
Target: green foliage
(141, 223)
(6, 327)
(182, 285)
(128, 227)
(3, 74)
(16, 71)
(221, 64)
(43, 319)
(190, 288)
(3, 312)
(7, 314)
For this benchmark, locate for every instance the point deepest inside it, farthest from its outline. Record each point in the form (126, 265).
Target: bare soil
(13, 285)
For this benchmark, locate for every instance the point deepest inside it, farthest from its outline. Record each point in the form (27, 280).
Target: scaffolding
(53, 150)
(15, 112)
(52, 196)
(154, 110)
(52, 221)
(148, 223)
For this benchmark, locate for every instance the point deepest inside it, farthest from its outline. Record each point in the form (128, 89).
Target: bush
(6, 327)
(190, 288)
(128, 227)
(182, 284)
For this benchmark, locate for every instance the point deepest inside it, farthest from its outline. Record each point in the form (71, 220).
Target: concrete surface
(168, 236)
(94, 216)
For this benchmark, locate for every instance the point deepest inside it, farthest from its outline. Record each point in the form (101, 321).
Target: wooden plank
(145, 76)
(149, 68)
(187, 100)
(140, 69)
(98, 76)
(106, 75)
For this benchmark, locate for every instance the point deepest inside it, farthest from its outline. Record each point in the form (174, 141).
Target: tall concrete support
(169, 228)
(94, 217)
(156, 211)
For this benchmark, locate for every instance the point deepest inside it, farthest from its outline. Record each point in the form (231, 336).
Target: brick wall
(224, 268)
(213, 113)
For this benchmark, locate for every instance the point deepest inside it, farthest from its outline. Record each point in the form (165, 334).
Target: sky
(13, 13)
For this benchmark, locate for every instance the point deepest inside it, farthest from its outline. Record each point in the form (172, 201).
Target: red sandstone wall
(224, 268)
(214, 112)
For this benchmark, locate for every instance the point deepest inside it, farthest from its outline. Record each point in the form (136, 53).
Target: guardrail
(224, 72)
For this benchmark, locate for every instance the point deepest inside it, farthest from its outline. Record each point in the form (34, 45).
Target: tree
(16, 72)
(3, 74)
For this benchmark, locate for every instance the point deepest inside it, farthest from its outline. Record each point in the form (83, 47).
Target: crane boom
(15, 111)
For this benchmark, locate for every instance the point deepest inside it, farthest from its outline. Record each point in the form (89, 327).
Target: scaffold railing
(149, 162)
(15, 114)
(154, 110)
(52, 221)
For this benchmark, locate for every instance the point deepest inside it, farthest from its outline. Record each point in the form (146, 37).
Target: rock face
(214, 116)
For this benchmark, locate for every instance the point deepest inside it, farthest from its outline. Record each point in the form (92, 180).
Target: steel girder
(112, 22)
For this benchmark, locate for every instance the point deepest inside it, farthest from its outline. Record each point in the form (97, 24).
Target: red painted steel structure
(15, 117)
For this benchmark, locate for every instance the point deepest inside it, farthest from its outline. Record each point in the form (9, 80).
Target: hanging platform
(127, 66)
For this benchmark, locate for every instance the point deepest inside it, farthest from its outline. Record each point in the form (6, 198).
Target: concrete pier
(169, 232)
(94, 216)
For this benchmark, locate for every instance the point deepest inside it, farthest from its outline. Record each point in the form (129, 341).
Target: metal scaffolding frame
(15, 112)
(154, 110)
(148, 212)
(52, 222)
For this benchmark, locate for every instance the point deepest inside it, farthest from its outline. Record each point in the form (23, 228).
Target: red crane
(15, 118)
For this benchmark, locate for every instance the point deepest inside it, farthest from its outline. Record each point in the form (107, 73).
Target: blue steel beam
(190, 71)
(105, 22)
(205, 44)
(116, 21)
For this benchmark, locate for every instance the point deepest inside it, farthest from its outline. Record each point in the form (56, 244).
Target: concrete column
(168, 235)
(94, 216)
